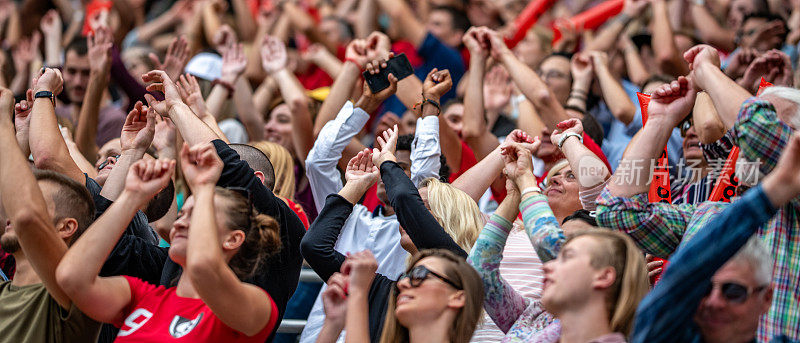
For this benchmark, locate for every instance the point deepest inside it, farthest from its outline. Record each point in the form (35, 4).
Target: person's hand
(523, 139)
(769, 34)
(701, 54)
(360, 269)
(654, 267)
(314, 53)
(672, 102)
(334, 299)
(356, 52)
(378, 45)
(49, 79)
(599, 59)
(138, 130)
(273, 55)
(175, 60)
(148, 177)
(234, 62)
(477, 42)
(497, 89)
(164, 138)
(22, 111)
(51, 24)
(161, 82)
(512, 191)
(387, 121)
(99, 44)
(518, 162)
(634, 8)
(388, 143)
(201, 165)
(572, 125)
(581, 67)
(190, 92)
(436, 84)
(498, 47)
(569, 36)
(368, 101)
(25, 52)
(739, 62)
(360, 170)
(224, 38)
(774, 66)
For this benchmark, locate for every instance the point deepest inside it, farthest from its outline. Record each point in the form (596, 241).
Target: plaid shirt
(659, 228)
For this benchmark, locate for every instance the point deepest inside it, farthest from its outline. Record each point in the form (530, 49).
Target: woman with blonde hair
(437, 299)
(454, 210)
(593, 281)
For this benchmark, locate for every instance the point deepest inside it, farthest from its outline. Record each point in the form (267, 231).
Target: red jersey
(468, 160)
(179, 319)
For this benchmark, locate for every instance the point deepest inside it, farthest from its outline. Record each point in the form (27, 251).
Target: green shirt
(30, 314)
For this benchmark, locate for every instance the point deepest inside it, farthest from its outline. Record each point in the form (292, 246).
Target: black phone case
(399, 66)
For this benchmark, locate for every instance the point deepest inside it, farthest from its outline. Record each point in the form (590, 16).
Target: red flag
(593, 17)
(763, 85)
(526, 19)
(725, 188)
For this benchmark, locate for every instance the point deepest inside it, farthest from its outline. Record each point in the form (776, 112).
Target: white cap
(205, 65)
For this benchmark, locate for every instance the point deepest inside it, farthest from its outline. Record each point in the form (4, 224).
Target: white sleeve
(323, 177)
(425, 150)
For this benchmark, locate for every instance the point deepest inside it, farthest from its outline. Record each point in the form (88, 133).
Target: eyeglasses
(419, 274)
(734, 292)
(105, 163)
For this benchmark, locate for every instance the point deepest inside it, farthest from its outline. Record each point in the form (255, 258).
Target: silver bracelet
(531, 189)
(568, 135)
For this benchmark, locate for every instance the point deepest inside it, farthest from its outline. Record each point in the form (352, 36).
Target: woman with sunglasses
(724, 271)
(217, 239)
(598, 277)
(437, 299)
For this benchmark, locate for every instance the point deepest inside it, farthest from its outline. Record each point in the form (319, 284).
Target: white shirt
(363, 230)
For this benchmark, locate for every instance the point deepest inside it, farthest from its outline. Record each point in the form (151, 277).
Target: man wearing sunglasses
(719, 284)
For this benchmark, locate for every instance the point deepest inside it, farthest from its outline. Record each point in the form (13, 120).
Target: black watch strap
(46, 94)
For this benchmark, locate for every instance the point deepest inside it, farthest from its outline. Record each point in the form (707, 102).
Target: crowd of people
(169, 168)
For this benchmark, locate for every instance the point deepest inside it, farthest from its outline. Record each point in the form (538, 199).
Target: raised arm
(360, 270)
(206, 266)
(274, 60)
(51, 29)
(234, 63)
(22, 122)
(318, 244)
(637, 71)
(569, 134)
(614, 95)
(137, 134)
(475, 132)
(669, 105)
(606, 37)
(344, 83)
(426, 149)
(404, 19)
(100, 62)
(709, 30)
(25, 206)
(47, 146)
(529, 83)
(669, 59)
(105, 298)
(582, 70)
(501, 301)
(419, 223)
(334, 302)
(706, 75)
(192, 96)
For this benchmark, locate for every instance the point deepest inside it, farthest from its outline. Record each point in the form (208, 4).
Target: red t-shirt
(298, 210)
(468, 160)
(179, 319)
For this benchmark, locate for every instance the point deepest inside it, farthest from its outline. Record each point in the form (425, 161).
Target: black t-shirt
(279, 274)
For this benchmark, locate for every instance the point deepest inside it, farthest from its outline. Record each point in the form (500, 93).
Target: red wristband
(354, 62)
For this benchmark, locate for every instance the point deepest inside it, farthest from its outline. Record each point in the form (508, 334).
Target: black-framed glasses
(734, 292)
(419, 274)
(105, 163)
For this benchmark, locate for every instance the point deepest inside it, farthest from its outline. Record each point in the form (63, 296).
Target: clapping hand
(360, 170)
(138, 130)
(201, 165)
(388, 143)
(148, 177)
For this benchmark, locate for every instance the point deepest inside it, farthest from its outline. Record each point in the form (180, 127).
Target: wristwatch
(46, 94)
(568, 135)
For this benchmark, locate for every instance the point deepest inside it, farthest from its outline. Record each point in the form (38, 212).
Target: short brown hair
(71, 200)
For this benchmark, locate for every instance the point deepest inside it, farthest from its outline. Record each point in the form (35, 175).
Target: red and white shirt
(178, 319)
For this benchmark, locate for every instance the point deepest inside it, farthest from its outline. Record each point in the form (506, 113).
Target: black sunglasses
(734, 292)
(685, 125)
(105, 163)
(418, 274)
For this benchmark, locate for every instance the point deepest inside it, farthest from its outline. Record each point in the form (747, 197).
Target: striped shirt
(660, 228)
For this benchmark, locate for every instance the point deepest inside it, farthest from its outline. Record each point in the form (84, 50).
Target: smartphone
(397, 66)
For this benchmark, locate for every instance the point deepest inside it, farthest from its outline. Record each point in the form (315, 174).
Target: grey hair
(789, 94)
(756, 254)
